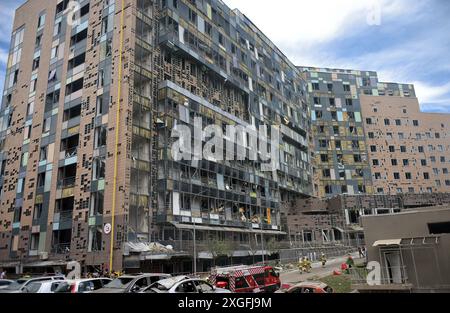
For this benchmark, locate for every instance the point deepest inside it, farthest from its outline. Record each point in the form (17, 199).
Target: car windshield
(63, 288)
(158, 286)
(16, 285)
(120, 283)
(33, 287)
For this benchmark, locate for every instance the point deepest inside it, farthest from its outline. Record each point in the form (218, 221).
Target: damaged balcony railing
(65, 216)
(71, 152)
(67, 182)
(61, 248)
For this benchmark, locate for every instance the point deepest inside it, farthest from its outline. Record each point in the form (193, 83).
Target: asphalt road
(292, 277)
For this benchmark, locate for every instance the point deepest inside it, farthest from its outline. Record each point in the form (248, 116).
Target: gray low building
(412, 248)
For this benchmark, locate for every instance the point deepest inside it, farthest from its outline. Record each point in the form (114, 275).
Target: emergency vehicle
(246, 279)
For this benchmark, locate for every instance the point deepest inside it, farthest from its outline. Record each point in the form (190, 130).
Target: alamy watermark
(73, 12)
(374, 275)
(242, 143)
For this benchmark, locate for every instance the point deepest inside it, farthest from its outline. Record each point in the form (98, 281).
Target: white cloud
(306, 31)
(308, 22)
(293, 21)
(432, 94)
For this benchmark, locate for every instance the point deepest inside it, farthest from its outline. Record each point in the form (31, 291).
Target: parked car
(42, 286)
(131, 283)
(183, 284)
(5, 283)
(19, 285)
(82, 285)
(308, 287)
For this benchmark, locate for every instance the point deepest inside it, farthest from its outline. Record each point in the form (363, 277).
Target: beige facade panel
(409, 150)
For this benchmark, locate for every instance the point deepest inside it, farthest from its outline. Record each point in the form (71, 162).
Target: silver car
(19, 285)
(82, 285)
(183, 284)
(131, 283)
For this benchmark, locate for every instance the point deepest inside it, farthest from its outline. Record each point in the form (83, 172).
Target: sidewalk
(294, 276)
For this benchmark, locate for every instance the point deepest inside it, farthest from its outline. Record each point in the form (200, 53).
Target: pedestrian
(3, 274)
(361, 253)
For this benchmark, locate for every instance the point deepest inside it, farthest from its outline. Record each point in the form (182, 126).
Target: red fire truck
(246, 279)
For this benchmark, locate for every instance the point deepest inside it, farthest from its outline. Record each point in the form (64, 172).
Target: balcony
(68, 157)
(67, 183)
(65, 216)
(62, 218)
(67, 176)
(61, 240)
(61, 248)
(70, 153)
(203, 53)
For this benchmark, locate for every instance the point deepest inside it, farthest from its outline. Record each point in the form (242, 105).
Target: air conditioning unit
(43, 256)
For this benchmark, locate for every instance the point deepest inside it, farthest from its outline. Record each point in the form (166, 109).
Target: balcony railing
(65, 216)
(71, 152)
(67, 182)
(61, 248)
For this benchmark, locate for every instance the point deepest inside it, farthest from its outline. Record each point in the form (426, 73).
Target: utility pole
(195, 250)
(262, 236)
(194, 236)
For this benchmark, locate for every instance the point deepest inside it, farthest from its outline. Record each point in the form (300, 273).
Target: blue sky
(405, 41)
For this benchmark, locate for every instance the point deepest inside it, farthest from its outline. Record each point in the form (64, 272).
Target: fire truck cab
(246, 279)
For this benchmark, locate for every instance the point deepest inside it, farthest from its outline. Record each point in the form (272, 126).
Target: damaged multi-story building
(373, 152)
(339, 145)
(94, 93)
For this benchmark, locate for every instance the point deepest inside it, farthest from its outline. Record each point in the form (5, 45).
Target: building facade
(409, 150)
(341, 165)
(339, 132)
(89, 115)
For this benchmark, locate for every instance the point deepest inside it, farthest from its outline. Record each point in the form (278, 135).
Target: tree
(273, 246)
(219, 248)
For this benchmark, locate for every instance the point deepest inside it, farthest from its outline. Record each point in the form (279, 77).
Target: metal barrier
(395, 275)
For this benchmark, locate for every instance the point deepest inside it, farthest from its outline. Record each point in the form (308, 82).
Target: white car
(183, 284)
(18, 286)
(43, 286)
(82, 285)
(4, 283)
